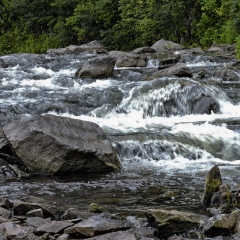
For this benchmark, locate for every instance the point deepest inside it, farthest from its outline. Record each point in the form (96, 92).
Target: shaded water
(164, 157)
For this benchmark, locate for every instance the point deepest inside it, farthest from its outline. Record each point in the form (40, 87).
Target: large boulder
(179, 70)
(163, 46)
(125, 59)
(99, 67)
(168, 222)
(222, 224)
(50, 144)
(92, 47)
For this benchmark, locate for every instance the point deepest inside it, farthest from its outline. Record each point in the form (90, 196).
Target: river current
(164, 158)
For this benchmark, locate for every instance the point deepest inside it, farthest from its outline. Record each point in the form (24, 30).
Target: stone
(54, 227)
(92, 47)
(97, 225)
(212, 182)
(5, 213)
(96, 208)
(143, 50)
(179, 70)
(222, 199)
(22, 208)
(168, 222)
(63, 237)
(11, 230)
(37, 221)
(221, 224)
(35, 213)
(120, 235)
(162, 46)
(5, 203)
(99, 67)
(125, 59)
(50, 144)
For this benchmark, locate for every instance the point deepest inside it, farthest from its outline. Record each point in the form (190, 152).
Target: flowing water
(164, 157)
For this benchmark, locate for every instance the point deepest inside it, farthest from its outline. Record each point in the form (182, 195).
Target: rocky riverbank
(39, 220)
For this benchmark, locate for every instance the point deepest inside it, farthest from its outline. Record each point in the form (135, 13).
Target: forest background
(34, 26)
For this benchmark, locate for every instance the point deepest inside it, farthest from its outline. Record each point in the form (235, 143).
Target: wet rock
(168, 62)
(3, 64)
(92, 47)
(11, 230)
(222, 199)
(5, 203)
(73, 213)
(179, 70)
(125, 59)
(5, 213)
(50, 144)
(222, 224)
(144, 50)
(99, 67)
(96, 208)
(169, 222)
(226, 74)
(212, 182)
(97, 225)
(36, 213)
(23, 208)
(191, 51)
(162, 46)
(120, 235)
(63, 237)
(37, 221)
(54, 227)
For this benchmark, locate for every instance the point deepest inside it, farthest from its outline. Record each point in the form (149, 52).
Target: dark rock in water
(222, 199)
(179, 70)
(212, 182)
(222, 224)
(168, 62)
(169, 222)
(226, 74)
(169, 97)
(23, 208)
(50, 144)
(3, 64)
(125, 59)
(99, 67)
(143, 50)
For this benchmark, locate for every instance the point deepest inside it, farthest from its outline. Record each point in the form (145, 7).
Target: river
(164, 158)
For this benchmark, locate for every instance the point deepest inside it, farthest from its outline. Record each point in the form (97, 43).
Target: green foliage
(36, 25)
(238, 47)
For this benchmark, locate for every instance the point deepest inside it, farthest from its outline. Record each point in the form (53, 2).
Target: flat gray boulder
(92, 47)
(125, 59)
(50, 144)
(99, 67)
(163, 46)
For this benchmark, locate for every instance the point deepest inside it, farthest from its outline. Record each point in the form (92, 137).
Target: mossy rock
(212, 183)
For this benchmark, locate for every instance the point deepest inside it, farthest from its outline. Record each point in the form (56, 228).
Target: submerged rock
(50, 144)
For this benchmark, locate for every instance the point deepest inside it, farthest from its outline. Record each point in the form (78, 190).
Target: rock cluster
(30, 221)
